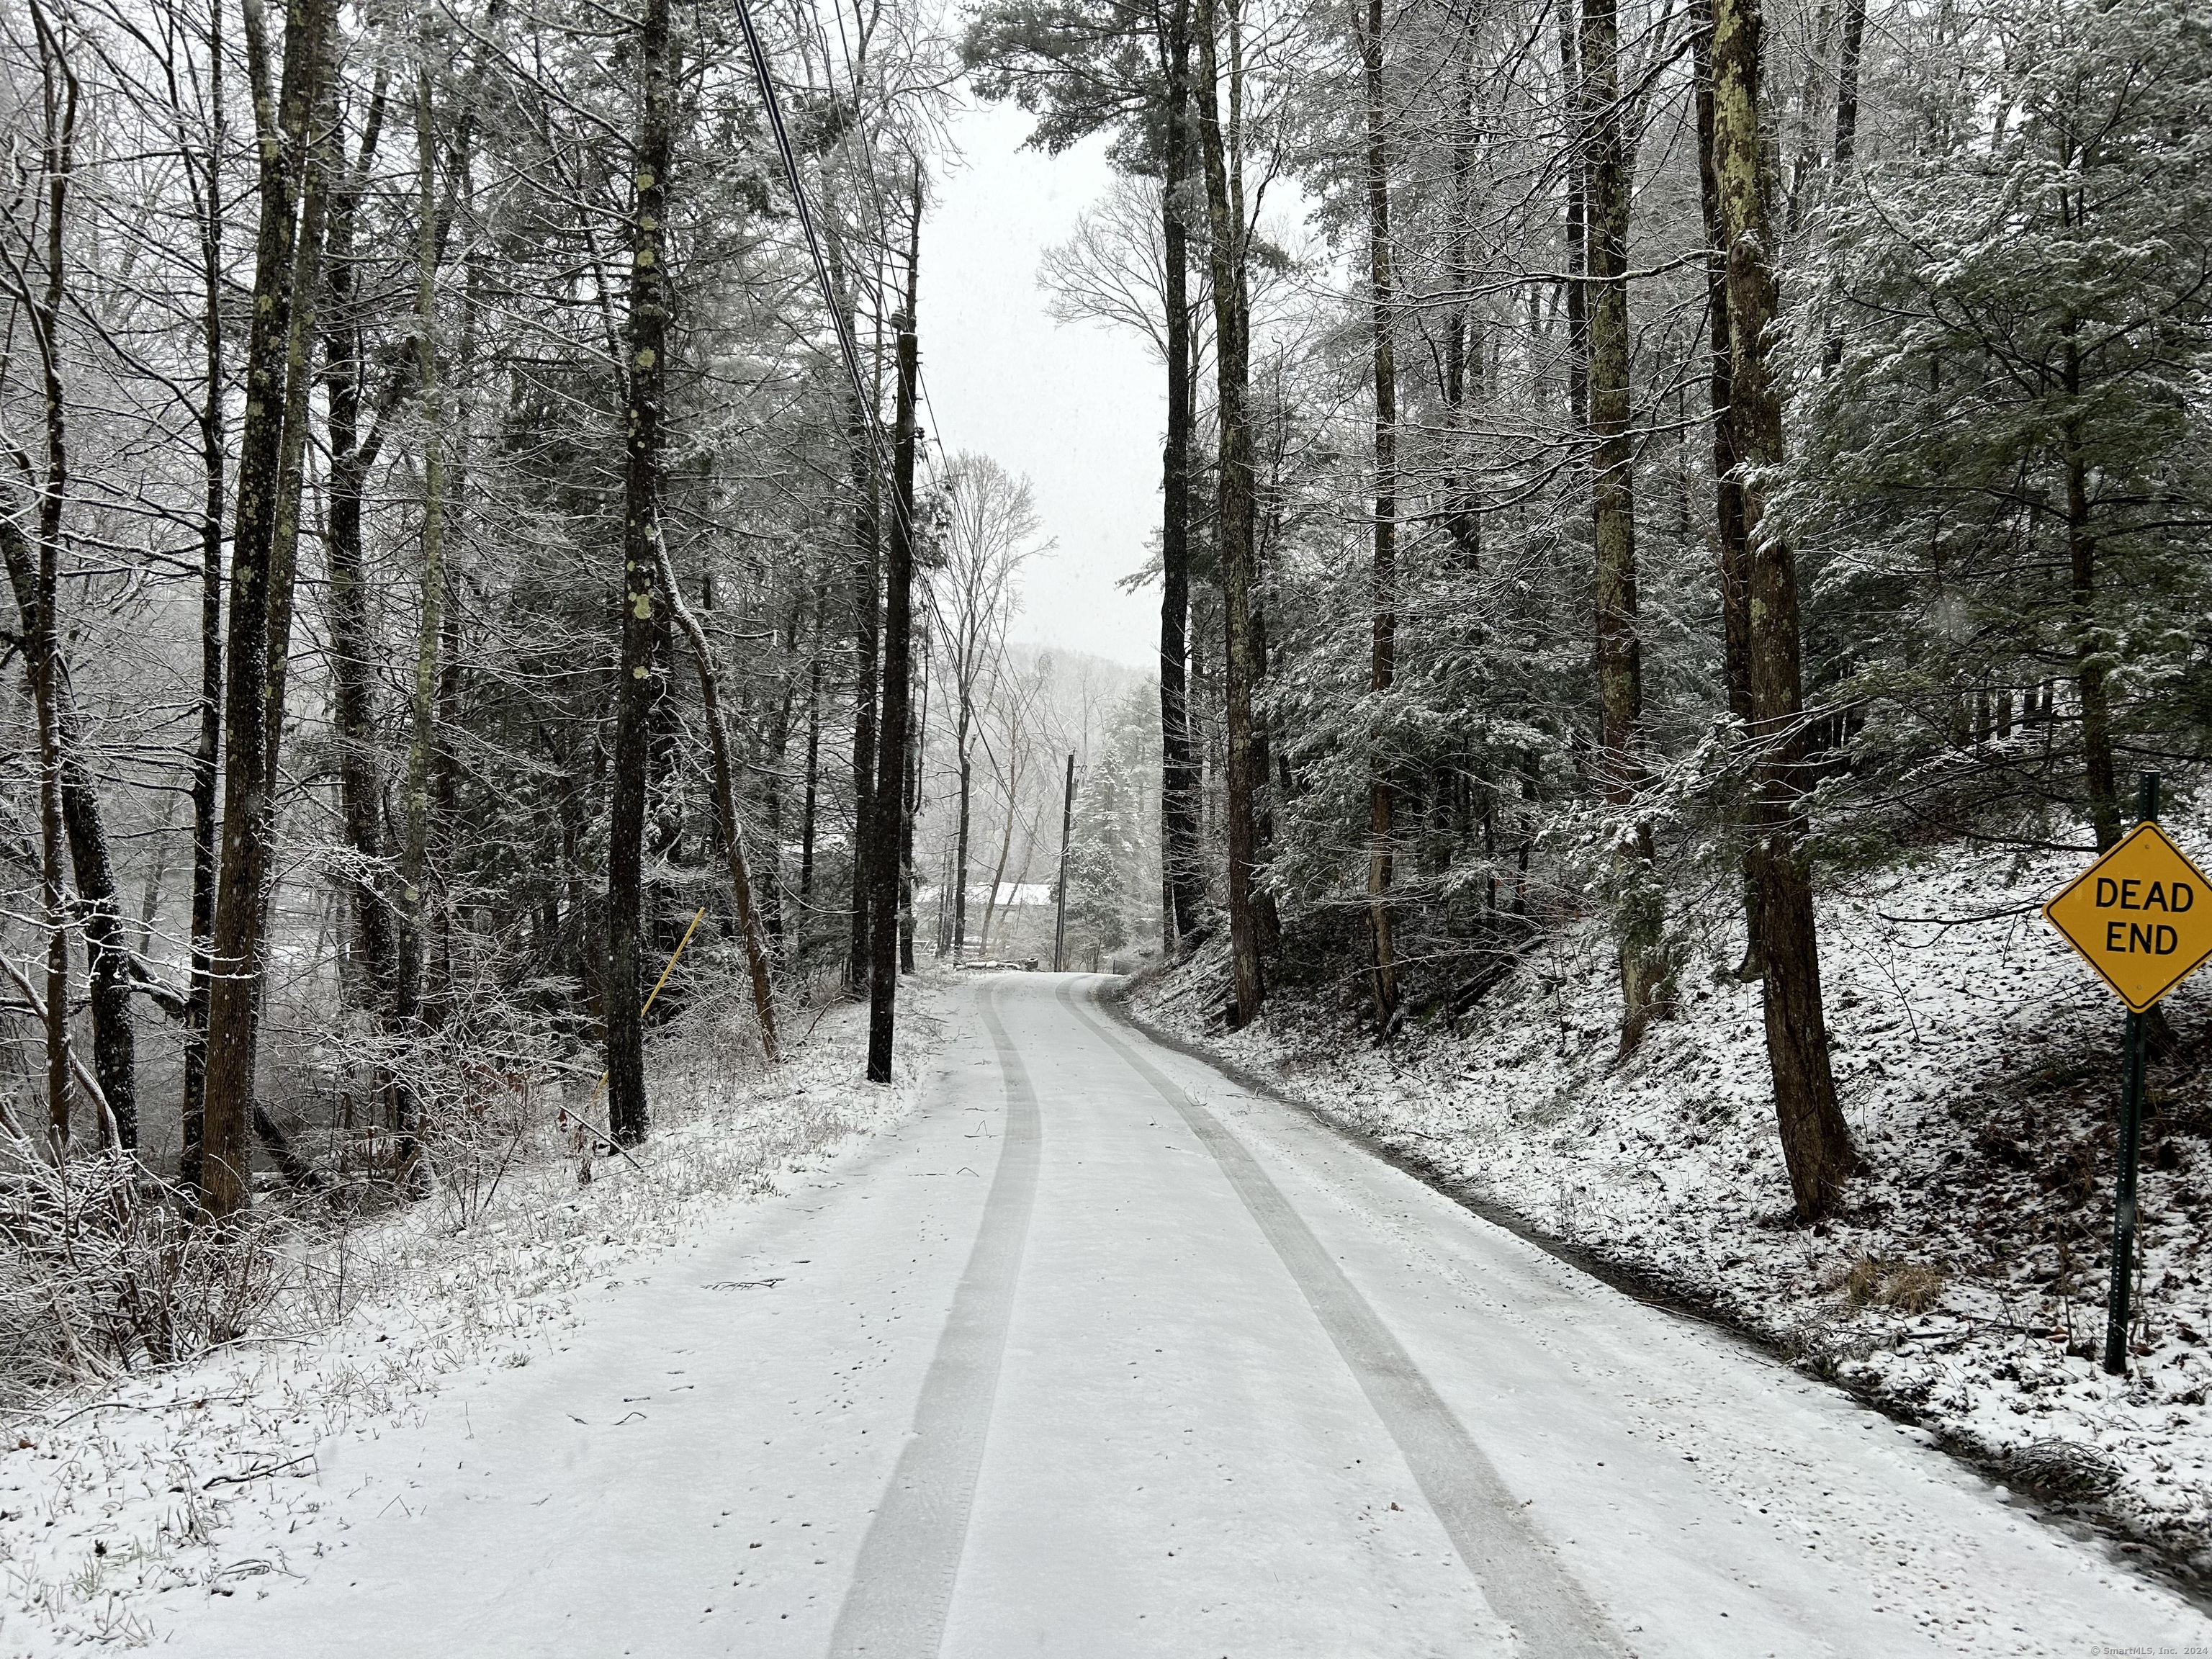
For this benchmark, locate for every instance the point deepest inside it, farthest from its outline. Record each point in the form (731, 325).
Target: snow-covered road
(1098, 1354)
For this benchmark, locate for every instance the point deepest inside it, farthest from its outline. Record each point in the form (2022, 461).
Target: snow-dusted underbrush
(118, 1488)
(1963, 1283)
(101, 1274)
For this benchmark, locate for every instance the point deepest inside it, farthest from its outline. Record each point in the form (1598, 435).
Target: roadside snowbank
(1963, 1287)
(111, 1500)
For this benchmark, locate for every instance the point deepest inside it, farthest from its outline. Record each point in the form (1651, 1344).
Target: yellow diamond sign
(2141, 915)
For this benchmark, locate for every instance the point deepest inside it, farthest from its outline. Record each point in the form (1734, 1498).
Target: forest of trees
(462, 514)
(1627, 464)
(468, 508)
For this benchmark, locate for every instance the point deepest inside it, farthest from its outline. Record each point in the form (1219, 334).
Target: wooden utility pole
(886, 838)
(1066, 835)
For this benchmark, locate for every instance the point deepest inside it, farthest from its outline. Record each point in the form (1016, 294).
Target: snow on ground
(1964, 1286)
(1096, 1354)
(115, 1499)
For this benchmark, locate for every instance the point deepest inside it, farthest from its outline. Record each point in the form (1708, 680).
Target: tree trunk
(1267, 920)
(1006, 852)
(1816, 1143)
(99, 910)
(1641, 917)
(1226, 252)
(68, 798)
(298, 379)
(236, 951)
(1382, 601)
(1464, 344)
(1183, 870)
(809, 804)
(353, 656)
(867, 586)
(99, 902)
(1847, 134)
(458, 420)
(885, 835)
(43, 644)
(438, 986)
(1806, 164)
(910, 810)
(429, 633)
(1573, 99)
(1732, 557)
(645, 380)
(315, 165)
(774, 764)
(157, 873)
(962, 720)
(2092, 648)
(207, 750)
(749, 932)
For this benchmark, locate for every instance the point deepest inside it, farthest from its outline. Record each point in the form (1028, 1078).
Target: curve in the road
(1524, 1580)
(902, 1587)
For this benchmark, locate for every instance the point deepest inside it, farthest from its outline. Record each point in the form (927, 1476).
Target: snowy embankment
(114, 1499)
(1964, 1285)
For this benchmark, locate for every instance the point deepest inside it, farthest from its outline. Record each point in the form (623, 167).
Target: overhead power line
(931, 436)
(774, 108)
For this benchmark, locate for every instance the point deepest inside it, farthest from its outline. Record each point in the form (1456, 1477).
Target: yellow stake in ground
(2141, 915)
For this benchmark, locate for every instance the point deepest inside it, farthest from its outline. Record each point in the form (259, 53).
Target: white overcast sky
(1078, 407)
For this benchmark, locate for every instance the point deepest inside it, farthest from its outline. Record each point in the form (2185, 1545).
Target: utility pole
(887, 841)
(1066, 830)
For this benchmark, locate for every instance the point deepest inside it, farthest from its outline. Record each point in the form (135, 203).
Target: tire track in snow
(901, 1588)
(1521, 1577)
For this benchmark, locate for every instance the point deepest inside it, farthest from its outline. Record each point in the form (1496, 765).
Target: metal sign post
(2124, 1194)
(2142, 916)
(2123, 1205)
